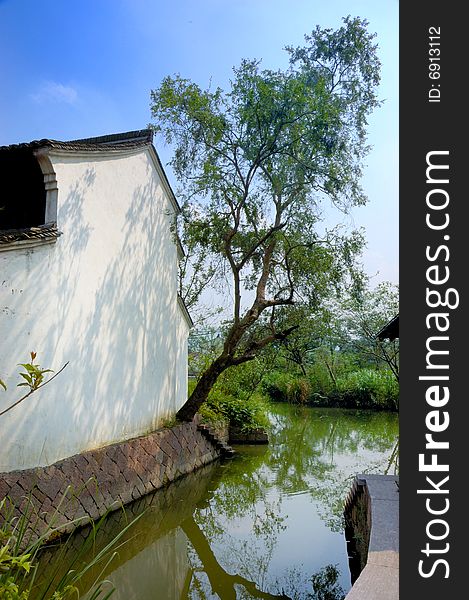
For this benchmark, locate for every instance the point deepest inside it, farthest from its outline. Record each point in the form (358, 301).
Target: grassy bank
(361, 388)
(242, 394)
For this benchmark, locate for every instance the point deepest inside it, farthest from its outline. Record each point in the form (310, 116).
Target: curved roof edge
(115, 142)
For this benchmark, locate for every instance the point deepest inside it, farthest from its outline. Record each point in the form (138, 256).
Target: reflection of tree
(311, 451)
(323, 584)
(307, 446)
(241, 492)
(223, 583)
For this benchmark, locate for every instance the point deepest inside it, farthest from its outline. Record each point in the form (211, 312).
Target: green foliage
(243, 380)
(364, 316)
(256, 163)
(353, 388)
(204, 344)
(10, 566)
(34, 375)
(339, 354)
(367, 388)
(235, 398)
(212, 414)
(19, 555)
(247, 413)
(287, 386)
(322, 385)
(190, 386)
(33, 379)
(282, 386)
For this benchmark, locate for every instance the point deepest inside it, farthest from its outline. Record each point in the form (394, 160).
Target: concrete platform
(379, 580)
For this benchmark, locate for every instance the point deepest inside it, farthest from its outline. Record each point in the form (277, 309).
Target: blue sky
(72, 69)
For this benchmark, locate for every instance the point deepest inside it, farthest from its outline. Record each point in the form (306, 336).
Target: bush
(248, 413)
(298, 391)
(212, 414)
(320, 380)
(234, 399)
(285, 387)
(368, 388)
(360, 388)
(275, 385)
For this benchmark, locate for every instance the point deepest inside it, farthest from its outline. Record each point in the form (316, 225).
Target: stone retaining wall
(237, 436)
(372, 514)
(158, 514)
(357, 516)
(85, 486)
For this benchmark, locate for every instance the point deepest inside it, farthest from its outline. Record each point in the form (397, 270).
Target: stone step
(209, 433)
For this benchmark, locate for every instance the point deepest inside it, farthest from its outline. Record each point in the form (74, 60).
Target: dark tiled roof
(390, 330)
(41, 232)
(116, 141)
(139, 138)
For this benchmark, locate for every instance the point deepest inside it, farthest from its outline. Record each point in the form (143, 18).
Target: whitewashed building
(88, 275)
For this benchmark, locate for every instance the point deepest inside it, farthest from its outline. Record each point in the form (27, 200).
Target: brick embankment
(85, 486)
(159, 514)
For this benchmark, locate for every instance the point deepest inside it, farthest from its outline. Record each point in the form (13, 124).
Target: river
(261, 525)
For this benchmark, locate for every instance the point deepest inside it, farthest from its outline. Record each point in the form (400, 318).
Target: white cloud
(51, 91)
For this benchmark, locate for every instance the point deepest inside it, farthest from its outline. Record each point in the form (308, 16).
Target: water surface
(258, 526)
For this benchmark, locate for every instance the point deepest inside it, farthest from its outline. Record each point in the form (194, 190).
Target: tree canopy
(256, 162)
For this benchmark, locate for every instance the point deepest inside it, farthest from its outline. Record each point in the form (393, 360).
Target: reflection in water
(267, 524)
(223, 584)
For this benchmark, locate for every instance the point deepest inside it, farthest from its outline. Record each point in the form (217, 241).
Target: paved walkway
(379, 580)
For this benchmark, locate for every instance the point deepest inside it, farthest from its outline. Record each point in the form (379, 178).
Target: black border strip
(433, 119)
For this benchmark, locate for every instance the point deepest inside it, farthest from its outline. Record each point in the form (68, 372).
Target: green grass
(19, 552)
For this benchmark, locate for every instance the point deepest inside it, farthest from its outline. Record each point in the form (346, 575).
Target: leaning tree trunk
(202, 389)
(228, 359)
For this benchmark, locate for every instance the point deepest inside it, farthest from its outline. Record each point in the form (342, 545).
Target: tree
(257, 162)
(365, 315)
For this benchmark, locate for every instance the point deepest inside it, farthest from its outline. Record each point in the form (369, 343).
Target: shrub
(234, 398)
(211, 414)
(320, 380)
(249, 413)
(298, 390)
(360, 388)
(368, 388)
(275, 385)
(285, 387)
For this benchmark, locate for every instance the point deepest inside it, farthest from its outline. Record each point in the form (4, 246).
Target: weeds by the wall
(19, 552)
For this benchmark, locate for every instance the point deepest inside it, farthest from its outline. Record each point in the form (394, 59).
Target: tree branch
(34, 390)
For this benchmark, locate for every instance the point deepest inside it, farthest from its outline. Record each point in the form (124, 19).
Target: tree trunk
(330, 372)
(202, 389)
(228, 359)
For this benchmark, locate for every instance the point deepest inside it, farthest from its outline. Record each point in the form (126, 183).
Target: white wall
(104, 298)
